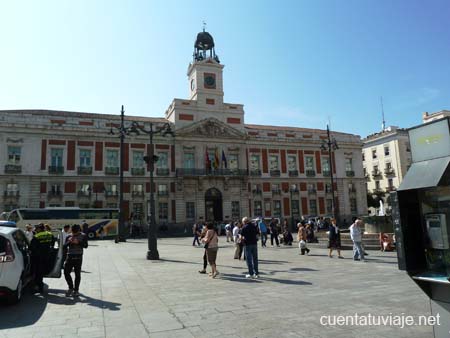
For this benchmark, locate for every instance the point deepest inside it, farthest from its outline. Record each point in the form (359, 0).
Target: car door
(23, 246)
(56, 261)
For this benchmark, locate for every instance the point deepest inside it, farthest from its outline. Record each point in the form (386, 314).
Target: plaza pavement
(124, 295)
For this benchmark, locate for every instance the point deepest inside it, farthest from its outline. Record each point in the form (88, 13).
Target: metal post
(121, 235)
(152, 252)
(330, 148)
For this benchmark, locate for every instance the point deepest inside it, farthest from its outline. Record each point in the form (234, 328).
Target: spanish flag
(216, 159)
(207, 161)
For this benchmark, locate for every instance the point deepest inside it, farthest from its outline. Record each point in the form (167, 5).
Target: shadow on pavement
(266, 261)
(57, 296)
(302, 269)
(242, 279)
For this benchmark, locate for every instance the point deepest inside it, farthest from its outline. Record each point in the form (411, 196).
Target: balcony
(310, 173)
(194, 172)
(55, 169)
(84, 170)
(138, 171)
(293, 173)
(257, 191)
(276, 191)
(162, 171)
(163, 193)
(255, 172)
(389, 172)
(390, 189)
(367, 176)
(326, 173)
(377, 191)
(112, 170)
(350, 173)
(111, 193)
(312, 191)
(13, 169)
(56, 194)
(137, 194)
(11, 194)
(376, 173)
(275, 173)
(84, 194)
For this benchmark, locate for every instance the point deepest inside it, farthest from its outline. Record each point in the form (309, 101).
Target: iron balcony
(186, 172)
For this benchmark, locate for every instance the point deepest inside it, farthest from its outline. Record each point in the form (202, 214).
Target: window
(313, 207)
(353, 206)
(189, 160)
(329, 205)
(348, 164)
(325, 164)
(111, 188)
(273, 162)
(55, 189)
(363, 156)
(388, 165)
(138, 188)
(56, 157)
(138, 159)
(408, 149)
(276, 188)
(351, 187)
(377, 185)
(138, 211)
(233, 161)
(374, 153)
(111, 205)
(311, 187)
(277, 208)
(235, 210)
(14, 154)
(292, 162)
(163, 162)
(375, 169)
(257, 208)
(295, 208)
(163, 211)
(254, 162)
(364, 171)
(386, 151)
(12, 187)
(85, 189)
(190, 211)
(309, 162)
(112, 158)
(327, 187)
(162, 189)
(390, 183)
(85, 158)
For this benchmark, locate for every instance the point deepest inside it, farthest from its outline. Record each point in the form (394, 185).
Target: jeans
(274, 236)
(75, 264)
(263, 238)
(196, 240)
(251, 256)
(358, 251)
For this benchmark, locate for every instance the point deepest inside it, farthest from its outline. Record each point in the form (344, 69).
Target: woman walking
(211, 242)
(334, 239)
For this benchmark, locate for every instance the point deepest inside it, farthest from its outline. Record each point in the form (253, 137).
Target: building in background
(427, 117)
(386, 158)
(216, 167)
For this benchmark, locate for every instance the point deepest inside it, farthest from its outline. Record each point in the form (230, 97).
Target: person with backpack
(75, 243)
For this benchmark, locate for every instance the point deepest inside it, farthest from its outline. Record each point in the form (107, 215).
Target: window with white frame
(325, 164)
(292, 162)
(235, 210)
(14, 153)
(138, 188)
(163, 162)
(386, 151)
(309, 163)
(277, 208)
(85, 157)
(163, 211)
(254, 162)
(313, 207)
(353, 206)
(329, 205)
(189, 160)
(233, 161)
(348, 164)
(162, 189)
(138, 159)
(12, 187)
(257, 208)
(56, 155)
(190, 211)
(273, 162)
(112, 158)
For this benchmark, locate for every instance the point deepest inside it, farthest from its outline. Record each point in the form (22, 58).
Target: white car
(15, 262)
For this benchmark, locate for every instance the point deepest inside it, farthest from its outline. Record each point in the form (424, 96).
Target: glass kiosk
(421, 216)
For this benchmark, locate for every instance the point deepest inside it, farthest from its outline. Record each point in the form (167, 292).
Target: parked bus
(108, 219)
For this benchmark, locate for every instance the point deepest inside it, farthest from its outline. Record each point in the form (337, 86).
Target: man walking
(196, 233)
(249, 234)
(273, 232)
(75, 243)
(356, 236)
(263, 231)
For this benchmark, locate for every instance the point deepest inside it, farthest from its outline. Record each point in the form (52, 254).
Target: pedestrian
(263, 231)
(76, 242)
(40, 247)
(249, 234)
(273, 232)
(196, 233)
(228, 232)
(211, 241)
(301, 237)
(237, 240)
(65, 233)
(356, 236)
(205, 259)
(287, 236)
(334, 239)
(29, 232)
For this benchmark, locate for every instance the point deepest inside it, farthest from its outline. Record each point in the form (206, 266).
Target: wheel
(17, 295)
(91, 235)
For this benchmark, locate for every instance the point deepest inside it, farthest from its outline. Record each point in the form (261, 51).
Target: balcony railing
(54, 194)
(389, 171)
(389, 189)
(312, 191)
(84, 170)
(350, 173)
(84, 194)
(326, 173)
(293, 173)
(186, 172)
(275, 173)
(13, 169)
(376, 173)
(255, 172)
(137, 193)
(112, 170)
(162, 171)
(138, 171)
(310, 173)
(163, 193)
(109, 193)
(11, 193)
(54, 169)
(257, 191)
(276, 191)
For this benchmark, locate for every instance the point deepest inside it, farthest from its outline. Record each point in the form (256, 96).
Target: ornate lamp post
(122, 131)
(151, 159)
(331, 145)
(292, 190)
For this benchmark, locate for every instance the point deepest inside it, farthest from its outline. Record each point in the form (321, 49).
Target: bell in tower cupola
(203, 44)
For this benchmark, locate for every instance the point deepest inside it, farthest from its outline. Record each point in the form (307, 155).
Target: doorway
(213, 205)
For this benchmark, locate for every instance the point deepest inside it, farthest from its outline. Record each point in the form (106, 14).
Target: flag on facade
(207, 161)
(216, 159)
(224, 160)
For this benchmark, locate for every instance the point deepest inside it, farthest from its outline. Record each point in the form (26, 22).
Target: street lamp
(123, 131)
(331, 145)
(292, 189)
(151, 159)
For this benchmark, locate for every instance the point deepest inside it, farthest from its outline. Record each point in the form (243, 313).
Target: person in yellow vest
(40, 247)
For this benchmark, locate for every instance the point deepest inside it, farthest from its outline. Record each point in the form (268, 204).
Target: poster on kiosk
(421, 216)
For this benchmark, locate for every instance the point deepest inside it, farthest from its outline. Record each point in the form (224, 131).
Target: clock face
(210, 80)
(192, 84)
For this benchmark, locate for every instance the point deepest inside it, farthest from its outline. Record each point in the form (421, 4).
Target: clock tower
(205, 73)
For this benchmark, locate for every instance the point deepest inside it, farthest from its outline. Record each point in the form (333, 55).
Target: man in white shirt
(29, 232)
(356, 236)
(228, 232)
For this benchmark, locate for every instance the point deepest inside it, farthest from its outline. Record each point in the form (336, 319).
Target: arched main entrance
(213, 205)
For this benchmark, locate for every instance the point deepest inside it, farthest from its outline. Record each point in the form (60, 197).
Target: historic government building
(215, 167)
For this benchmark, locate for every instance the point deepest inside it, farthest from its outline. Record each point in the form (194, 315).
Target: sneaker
(75, 293)
(202, 271)
(69, 292)
(255, 276)
(248, 276)
(341, 257)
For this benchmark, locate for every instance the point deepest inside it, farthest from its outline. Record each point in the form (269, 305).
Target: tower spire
(383, 123)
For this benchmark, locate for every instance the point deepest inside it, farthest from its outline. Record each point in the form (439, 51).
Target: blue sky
(296, 63)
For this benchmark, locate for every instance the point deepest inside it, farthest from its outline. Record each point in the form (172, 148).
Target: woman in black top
(334, 239)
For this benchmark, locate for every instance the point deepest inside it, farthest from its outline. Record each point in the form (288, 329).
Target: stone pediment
(210, 128)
